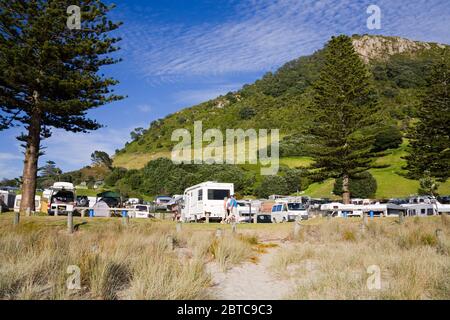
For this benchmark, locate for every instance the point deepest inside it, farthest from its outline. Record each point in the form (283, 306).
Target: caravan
(37, 203)
(206, 198)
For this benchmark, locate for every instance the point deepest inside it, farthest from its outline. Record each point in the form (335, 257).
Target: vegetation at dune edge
(328, 259)
(49, 74)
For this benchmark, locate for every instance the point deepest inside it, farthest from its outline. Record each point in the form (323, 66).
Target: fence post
(16, 218)
(163, 215)
(56, 211)
(400, 217)
(178, 226)
(70, 222)
(233, 227)
(218, 233)
(207, 217)
(169, 242)
(296, 226)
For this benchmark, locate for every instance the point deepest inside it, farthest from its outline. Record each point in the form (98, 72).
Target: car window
(63, 196)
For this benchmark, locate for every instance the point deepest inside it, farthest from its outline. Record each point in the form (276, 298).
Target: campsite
(235, 150)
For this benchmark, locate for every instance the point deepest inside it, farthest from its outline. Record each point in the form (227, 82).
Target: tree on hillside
(49, 73)
(363, 185)
(101, 158)
(50, 169)
(137, 133)
(341, 130)
(430, 136)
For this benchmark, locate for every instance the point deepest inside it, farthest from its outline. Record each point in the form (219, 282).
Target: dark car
(264, 218)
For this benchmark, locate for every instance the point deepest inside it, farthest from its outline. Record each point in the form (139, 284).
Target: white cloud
(259, 35)
(145, 108)
(192, 97)
(72, 151)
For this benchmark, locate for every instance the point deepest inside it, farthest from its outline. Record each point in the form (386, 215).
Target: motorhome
(425, 206)
(206, 198)
(37, 203)
(6, 200)
(62, 198)
(290, 209)
(336, 209)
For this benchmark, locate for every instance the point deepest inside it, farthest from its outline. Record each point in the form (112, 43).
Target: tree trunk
(345, 189)
(31, 164)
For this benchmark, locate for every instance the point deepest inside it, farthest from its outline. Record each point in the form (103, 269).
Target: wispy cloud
(195, 96)
(260, 35)
(70, 150)
(10, 164)
(145, 108)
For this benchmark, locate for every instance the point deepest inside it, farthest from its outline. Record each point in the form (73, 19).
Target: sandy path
(250, 281)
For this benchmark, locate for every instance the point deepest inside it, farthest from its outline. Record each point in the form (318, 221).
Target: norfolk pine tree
(429, 152)
(49, 73)
(343, 116)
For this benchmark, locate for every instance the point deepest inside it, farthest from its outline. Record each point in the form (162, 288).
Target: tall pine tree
(342, 115)
(49, 72)
(429, 153)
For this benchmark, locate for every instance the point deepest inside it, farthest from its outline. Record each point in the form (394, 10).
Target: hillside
(277, 100)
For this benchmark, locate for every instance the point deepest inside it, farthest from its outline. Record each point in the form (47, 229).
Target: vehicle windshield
(63, 196)
(296, 206)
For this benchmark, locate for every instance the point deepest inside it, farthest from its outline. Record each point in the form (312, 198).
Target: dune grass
(115, 261)
(335, 259)
(149, 259)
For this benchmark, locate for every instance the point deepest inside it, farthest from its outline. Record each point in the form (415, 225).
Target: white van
(289, 211)
(206, 197)
(37, 203)
(62, 198)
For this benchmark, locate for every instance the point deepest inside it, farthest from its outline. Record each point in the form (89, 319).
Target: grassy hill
(280, 100)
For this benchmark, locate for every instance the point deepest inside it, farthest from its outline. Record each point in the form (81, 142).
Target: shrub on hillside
(362, 186)
(388, 138)
(272, 185)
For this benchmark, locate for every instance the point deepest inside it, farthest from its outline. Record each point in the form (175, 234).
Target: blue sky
(179, 53)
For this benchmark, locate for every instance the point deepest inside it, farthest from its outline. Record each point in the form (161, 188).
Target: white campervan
(206, 197)
(289, 209)
(62, 198)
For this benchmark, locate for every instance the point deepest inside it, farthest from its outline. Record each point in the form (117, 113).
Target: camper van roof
(211, 184)
(62, 185)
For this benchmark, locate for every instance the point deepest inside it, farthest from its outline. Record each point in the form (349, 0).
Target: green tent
(109, 194)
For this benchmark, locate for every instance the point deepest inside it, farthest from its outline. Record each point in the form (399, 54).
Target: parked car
(161, 202)
(141, 211)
